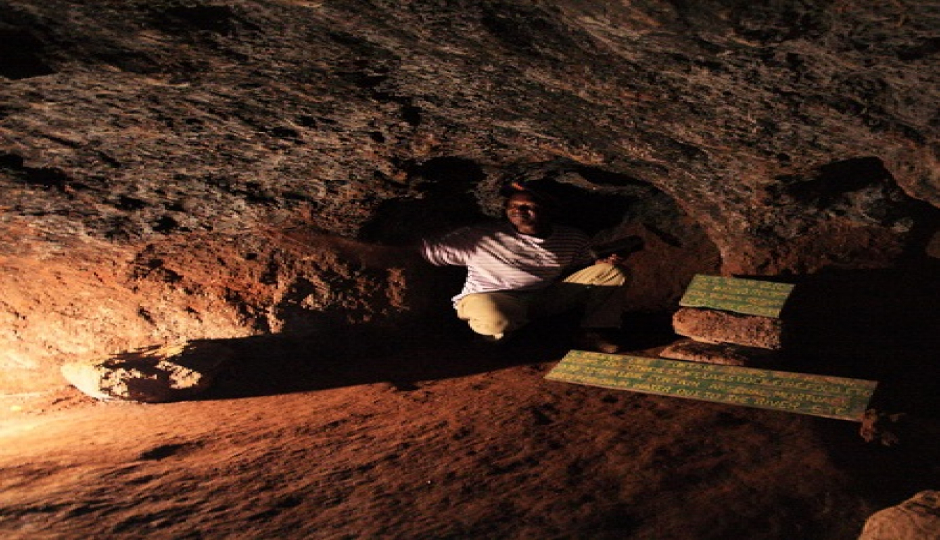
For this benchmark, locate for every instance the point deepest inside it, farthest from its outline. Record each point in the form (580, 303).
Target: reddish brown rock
(726, 354)
(153, 374)
(714, 326)
(917, 518)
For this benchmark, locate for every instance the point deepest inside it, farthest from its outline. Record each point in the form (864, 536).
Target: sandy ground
(438, 439)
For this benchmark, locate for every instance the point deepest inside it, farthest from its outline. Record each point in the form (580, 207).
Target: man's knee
(600, 274)
(491, 314)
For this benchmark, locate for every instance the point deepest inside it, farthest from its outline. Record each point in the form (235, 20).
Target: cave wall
(781, 137)
(97, 298)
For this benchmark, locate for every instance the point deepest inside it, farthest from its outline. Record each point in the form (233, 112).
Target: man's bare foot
(596, 341)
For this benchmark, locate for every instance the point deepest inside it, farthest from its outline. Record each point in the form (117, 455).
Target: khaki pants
(598, 289)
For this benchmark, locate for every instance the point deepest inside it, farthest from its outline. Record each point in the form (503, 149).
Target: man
(531, 267)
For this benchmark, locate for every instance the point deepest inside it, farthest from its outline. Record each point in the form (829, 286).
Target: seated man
(528, 268)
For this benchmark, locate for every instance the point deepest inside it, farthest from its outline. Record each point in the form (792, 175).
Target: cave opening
(450, 192)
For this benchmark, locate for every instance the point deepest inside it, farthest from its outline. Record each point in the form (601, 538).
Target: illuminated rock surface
(917, 518)
(714, 326)
(151, 375)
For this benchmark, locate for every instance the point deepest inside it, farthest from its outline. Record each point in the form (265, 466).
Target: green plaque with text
(817, 395)
(748, 296)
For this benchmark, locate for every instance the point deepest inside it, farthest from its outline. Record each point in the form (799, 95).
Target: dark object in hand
(622, 246)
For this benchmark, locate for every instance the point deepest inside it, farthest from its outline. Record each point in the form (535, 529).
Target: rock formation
(184, 169)
(917, 518)
(151, 374)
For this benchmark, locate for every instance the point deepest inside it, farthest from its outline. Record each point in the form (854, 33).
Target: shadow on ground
(877, 325)
(881, 325)
(267, 365)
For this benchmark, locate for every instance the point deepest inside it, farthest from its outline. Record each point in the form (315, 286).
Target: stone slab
(747, 296)
(726, 354)
(818, 395)
(712, 326)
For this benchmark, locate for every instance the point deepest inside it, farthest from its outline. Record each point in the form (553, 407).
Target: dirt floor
(436, 438)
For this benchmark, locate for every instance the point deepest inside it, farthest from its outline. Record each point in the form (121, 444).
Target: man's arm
(380, 256)
(363, 253)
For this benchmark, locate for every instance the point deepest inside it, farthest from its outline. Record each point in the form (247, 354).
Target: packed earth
(442, 438)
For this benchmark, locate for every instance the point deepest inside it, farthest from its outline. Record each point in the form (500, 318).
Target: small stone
(881, 427)
(933, 246)
(917, 518)
(152, 374)
(714, 326)
(725, 354)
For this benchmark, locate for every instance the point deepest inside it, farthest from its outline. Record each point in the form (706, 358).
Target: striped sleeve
(455, 248)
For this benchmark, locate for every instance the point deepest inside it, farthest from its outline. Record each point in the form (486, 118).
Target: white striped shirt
(500, 259)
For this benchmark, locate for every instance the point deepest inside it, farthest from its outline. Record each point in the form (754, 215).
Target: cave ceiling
(765, 122)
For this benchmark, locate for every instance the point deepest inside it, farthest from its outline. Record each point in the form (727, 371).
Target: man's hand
(618, 251)
(615, 259)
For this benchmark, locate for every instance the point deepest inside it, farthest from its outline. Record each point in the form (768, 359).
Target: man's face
(527, 215)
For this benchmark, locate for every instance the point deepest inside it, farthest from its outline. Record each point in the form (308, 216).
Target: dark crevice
(446, 200)
(213, 19)
(924, 49)
(411, 115)
(826, 186)
(43, 177)
(840, 177)
(21, 55)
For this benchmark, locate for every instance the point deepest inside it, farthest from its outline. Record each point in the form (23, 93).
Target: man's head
(529, 213)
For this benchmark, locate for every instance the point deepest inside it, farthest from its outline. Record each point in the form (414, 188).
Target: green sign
(817, 395)
(748, 296)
